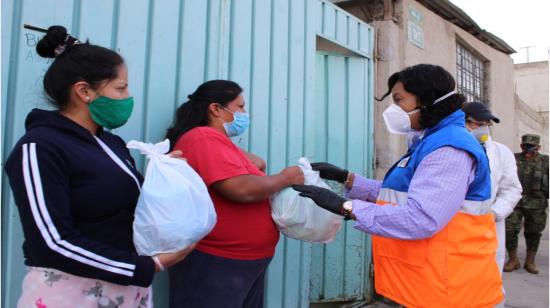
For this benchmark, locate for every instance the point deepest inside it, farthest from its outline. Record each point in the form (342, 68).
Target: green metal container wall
(171, 46)
(342, 136)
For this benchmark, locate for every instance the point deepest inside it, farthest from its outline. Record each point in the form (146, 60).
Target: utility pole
(527, 49)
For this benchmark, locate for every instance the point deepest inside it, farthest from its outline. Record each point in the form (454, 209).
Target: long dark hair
(428, 83)
(194, 112)
(74, 62)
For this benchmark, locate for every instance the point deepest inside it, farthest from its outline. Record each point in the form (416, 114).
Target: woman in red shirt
(228, 266)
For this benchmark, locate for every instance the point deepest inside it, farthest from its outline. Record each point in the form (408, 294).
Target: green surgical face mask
(111, 113)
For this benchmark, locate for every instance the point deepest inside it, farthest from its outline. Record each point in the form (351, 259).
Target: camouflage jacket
(533, 175)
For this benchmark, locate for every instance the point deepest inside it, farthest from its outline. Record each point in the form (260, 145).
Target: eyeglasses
(476, 123)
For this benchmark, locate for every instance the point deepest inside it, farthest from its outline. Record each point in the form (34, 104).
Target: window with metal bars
(471, 75)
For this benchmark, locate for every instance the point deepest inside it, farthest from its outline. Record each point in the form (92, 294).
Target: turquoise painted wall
(302, 103)
(343, 136)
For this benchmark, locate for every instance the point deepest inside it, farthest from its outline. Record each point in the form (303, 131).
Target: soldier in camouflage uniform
(533, 175)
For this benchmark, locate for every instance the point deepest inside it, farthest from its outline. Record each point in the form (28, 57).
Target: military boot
(513, 263)
(530, 262)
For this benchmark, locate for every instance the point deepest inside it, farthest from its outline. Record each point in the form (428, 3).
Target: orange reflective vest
(454, 268)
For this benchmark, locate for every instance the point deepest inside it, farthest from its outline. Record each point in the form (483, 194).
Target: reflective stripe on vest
(394, 197)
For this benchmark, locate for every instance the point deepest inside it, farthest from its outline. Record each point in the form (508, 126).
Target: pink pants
(50, 288)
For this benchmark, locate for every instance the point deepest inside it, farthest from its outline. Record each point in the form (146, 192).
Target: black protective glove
(331, 172)
(323, 197)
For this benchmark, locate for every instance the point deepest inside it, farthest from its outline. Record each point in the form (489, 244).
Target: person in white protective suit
(505, 186)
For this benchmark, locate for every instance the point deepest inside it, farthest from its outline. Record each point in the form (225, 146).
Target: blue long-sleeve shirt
(76, 194)
(436, 193)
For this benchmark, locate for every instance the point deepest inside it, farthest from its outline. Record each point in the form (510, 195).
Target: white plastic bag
(299, 217)
(174, 208)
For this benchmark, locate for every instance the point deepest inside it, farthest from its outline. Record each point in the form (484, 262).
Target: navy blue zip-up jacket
(76, 202)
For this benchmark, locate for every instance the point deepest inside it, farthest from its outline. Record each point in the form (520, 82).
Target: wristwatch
(347, 208)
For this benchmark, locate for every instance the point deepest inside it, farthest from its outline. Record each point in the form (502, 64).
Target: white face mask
(398, 120)
(481, 133)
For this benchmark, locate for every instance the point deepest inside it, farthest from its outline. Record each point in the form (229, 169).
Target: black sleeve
(39, 179)
(545, 176)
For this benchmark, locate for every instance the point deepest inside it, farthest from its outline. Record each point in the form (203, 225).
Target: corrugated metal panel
(172, 46)
(342, 28)
(343, 137)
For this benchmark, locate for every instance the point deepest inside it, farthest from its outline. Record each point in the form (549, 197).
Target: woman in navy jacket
(76, 185)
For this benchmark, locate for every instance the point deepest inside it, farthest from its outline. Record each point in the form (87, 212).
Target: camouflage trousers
(534, 224)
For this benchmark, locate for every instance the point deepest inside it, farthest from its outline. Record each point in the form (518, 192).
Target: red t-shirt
(243, 231)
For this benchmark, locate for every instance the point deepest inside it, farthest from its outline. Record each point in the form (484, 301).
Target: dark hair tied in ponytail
(428, 83)
(56, 41)
(194, 112)
(74, 62)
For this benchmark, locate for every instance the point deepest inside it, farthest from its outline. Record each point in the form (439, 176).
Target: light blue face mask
(240, 123)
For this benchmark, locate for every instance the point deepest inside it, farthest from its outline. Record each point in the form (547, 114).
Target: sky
(520, 23)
